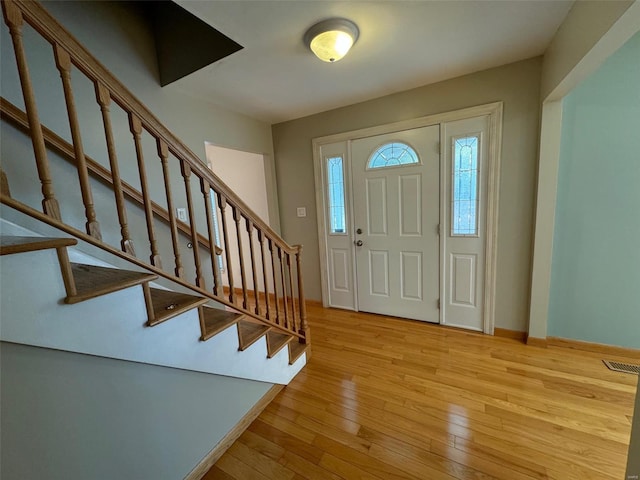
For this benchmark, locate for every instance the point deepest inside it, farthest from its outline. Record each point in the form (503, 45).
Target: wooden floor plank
(385, 398)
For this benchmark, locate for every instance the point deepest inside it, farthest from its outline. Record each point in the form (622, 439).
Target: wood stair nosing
(276, 341)
(249, 333)
(92, 281)
(215, 320)
(18, 244)
(296, 349)
(166, 304)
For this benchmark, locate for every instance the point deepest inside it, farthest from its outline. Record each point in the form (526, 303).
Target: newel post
(304, 326)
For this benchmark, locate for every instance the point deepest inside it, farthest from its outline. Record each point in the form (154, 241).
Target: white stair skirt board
(32, 312)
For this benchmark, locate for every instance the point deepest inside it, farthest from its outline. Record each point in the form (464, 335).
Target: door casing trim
(494, 112)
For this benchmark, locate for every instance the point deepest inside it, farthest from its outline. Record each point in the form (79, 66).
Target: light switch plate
(302, 211)
(182, 214)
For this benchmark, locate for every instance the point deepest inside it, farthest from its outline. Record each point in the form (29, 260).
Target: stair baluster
(14, 20)
(284, 291)
(267, 299)
(186, 175)
(163, 153)
(135, 125)
(272, 253)
(63, 63)
(206, 194)
(292, 326)
(254, 267)
(243, 276)
(222, 203)
(104, 100)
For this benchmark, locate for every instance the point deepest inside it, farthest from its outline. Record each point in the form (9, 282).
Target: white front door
(396, 206)
(464, 221)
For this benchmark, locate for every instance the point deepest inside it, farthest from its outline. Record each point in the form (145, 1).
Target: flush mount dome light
(331, 39)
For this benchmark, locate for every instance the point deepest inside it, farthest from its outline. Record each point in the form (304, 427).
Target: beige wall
(517, 85)
(120, 37)
(583, 27)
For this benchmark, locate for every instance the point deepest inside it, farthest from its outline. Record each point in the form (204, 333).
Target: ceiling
(402, 45)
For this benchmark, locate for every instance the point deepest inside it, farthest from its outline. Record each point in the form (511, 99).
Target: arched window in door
(392, 154)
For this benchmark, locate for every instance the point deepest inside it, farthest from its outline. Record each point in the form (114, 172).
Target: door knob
(359, 243)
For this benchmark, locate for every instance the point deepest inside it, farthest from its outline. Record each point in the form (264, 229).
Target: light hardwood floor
(384, 398)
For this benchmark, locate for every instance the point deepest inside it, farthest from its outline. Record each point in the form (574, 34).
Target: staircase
(171, 267)
(99, 302)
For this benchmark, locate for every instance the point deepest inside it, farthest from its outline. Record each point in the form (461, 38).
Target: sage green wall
(595, 276)
(69, 416)
(517, 85)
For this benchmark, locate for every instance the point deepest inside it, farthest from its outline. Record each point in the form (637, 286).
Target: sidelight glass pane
(392, 155)
(335, 183)
(464, 186)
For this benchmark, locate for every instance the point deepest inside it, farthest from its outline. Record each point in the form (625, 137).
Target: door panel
(397, 208)
(377, 206)
(463, 283)
(340, 269)
(464, 221)
(410, 205)
(379, 270)
(411, 275)
(338, 265)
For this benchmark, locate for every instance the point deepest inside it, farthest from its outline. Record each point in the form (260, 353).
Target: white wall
(246, 174)
(70, 416)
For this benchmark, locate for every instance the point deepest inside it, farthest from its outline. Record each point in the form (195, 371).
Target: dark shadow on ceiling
(184, 43)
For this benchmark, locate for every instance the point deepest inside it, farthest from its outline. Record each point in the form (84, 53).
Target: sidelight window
(464, 186)
(335, 182)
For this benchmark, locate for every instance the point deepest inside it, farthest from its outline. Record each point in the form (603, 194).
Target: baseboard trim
(600, 348)
(536, 342)
(506, 333)
(223, 445)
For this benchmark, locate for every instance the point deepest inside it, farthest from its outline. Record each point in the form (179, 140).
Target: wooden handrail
(11, 113)
(48, 27)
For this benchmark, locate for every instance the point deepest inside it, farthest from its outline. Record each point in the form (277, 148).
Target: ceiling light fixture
(331, 39)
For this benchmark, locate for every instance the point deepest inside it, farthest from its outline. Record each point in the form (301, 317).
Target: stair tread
(92, 281)
(276, 341)
(215, 320)
(167, 304)
(16, 244)
(296, 349)
(249, 333)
